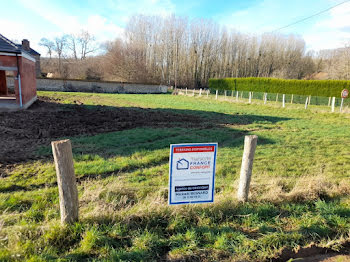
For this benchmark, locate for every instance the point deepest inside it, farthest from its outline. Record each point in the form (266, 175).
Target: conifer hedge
(328, 88)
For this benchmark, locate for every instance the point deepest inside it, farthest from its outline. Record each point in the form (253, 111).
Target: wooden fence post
(333, 104)
(306, 102)
(186, 91)
(265, 98)
(329, 101)
(250, 97)
(341, 105)
(291, 100)
(216, 95)
(247, 166)
(200, 92)
(283, 100)
(67, 188)
(237, 96)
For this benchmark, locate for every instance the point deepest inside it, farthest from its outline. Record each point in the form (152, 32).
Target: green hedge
(328, 88)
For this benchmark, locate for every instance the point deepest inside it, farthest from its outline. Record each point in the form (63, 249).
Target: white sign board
(192, 173)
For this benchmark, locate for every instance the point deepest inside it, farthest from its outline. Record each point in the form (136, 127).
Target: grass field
(299, 193)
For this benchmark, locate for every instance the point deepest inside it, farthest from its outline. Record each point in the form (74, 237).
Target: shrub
(327, 88)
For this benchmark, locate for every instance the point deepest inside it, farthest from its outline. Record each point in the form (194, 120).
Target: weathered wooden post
(67, 188)
(265, 98)
(306, 102)
(291, 100)
(250, 97)
(237, 96)
(216, 95)
(333, 104)
(186, 91)
(200, 92)
(250, 143)
(329, 101)
(283, 100)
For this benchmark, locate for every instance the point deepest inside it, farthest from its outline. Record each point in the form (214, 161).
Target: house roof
(8, 46)
(31, 51)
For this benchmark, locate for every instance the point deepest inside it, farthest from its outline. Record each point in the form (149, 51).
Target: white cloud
(146, 7)
(61, 22)
(325, 31)
(64, 23)
(332, 31)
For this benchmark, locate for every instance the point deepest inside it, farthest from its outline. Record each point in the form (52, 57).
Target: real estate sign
(192, 173)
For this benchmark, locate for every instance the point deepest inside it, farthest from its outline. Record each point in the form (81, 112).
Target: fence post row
(250, 143)
(67, 188)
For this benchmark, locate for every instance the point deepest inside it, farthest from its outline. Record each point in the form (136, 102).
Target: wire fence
(244, 96)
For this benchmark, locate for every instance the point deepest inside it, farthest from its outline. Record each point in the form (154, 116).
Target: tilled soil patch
(22, 132)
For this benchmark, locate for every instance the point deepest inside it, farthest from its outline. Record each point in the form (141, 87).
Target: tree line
(177, 51)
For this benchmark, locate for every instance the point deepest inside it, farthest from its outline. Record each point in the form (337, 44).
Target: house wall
(37, 66)
(8, 61)
(28, 80)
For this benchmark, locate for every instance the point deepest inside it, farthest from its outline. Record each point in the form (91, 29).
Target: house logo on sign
(182, 164)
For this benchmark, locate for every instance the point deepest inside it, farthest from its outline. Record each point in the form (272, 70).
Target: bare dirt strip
(22, 132)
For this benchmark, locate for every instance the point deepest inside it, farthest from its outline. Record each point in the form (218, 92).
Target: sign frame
(345, 91)
(212, 191)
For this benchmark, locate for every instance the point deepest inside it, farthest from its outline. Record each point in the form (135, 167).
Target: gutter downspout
(19, 84)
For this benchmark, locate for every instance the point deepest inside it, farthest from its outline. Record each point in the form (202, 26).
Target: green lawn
(299, 190)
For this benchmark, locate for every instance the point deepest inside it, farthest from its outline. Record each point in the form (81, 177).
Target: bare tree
(72, 45)
(60, 45)
(87, 43)
(48, 44)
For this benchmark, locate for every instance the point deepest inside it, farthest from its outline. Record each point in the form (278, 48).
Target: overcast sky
(106, 19)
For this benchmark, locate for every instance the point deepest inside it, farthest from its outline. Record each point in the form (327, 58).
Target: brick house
(22, 65)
